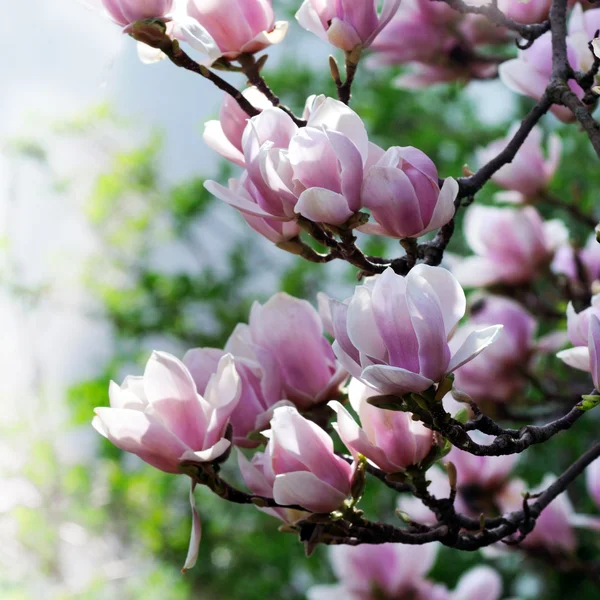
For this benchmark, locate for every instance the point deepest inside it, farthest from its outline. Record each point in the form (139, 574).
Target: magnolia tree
(390, 386)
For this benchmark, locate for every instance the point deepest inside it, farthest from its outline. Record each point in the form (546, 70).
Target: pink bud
(401, 190)
(346, 24)
(391, 440)
(125, 12)
(480, 583)
(238, 26)
(225, 135)
(511, 245)
(161, 418)
(529, 173)
(307, 470)
(497, 373)
(534, 11)
(393, 333)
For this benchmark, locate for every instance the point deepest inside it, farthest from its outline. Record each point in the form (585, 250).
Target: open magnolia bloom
(346, 24)
(394, 333)
(391, 440)
(161, 418)
(511, 245)
(390, 571)
(584, 333)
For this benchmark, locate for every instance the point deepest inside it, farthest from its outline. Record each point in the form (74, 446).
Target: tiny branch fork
(508, 441)
(528, 32)
(251, 68)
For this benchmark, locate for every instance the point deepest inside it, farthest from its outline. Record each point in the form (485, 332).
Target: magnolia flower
(161, 418)
(399, 571)
(592, 476)
(259, 476)
(530, 73)
(125, 12)
(511, 245)
(307, 470)
(391, 440)
(565, 261)
(401, 189)
(346, 24)
(584, 333)
(233, 27)
(437, 42)
(393, 333)
(225, 134)
(498, 373)
(285, 339)
(315, 171)
(529, 173)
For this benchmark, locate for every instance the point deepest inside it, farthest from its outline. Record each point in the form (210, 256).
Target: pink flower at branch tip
(391, 440)
(529, 173)
(161, 418)
(393, 333)
(511, 245)
(402, 192)
(399, 571)
(584, 333)
(125, 12)
(307, 471)
(315, 171)
(346, 24)
(234, 27)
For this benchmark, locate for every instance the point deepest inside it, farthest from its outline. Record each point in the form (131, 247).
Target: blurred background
(109, 248)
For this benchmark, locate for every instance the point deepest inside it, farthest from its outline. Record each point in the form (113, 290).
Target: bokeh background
(109, 248)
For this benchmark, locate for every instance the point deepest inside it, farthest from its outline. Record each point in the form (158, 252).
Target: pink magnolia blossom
(497, 374)
(259, 476)
(530, 172)
(439, 43)
(307, 471)
(125, 12)
(247, 198)
(584, 333)
(315, 171)
(346, 24)
(530, 73)
(510, 245)
(565, 262)
(553, 530)
(393, 333)
(285, 339)
(233, 26)
(225, 134)
(401, 189)
(161, 418)
(391, 440)
(399, 571)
